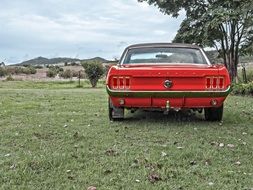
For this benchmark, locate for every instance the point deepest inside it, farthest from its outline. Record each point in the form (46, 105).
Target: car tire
(115, 114)
(214, 114)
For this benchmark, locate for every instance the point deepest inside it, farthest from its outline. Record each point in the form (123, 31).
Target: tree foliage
(223, 24)
(94, 71)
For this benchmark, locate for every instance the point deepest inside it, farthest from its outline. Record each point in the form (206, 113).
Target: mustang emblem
(168, 84)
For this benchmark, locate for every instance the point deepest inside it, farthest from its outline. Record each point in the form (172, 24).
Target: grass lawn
(57, 136)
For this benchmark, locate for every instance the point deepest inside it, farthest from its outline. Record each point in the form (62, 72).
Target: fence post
(79, 78)
(244, 75)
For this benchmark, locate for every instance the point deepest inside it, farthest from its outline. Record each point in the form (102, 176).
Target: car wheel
(115, 114)
(214, 114)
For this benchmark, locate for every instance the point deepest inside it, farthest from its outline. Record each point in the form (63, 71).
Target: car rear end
(165, 83)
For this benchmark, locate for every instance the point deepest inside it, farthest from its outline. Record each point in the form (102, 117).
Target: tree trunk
(93, 82)
(232, 64)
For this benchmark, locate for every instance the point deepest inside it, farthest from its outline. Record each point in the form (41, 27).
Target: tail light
(215, 79)
(215, 82)
(221, 82)
(114, 83)
(120, 82)
(208, 83)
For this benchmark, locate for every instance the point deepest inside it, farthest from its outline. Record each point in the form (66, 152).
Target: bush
(57, 69)
(73, 64)
(39, 67)
(51, 73)
(249, 75)
(9, 78)
(76, 74)
(3, 72)
(94, 71)
(243, 89)
(11, 70)
(26, 70)
(21, 70)
(67, 74)
(18, 70)
(33, 70)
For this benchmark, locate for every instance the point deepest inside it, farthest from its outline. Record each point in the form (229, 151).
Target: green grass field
(57, 136)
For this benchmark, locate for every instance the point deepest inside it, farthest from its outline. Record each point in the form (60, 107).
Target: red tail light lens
(208, 83)
(215, 82)
(221, 82)
(120, 82)
(114, 82)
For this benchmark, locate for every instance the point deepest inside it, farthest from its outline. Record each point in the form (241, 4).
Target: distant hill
(46, 61)
(96, 59)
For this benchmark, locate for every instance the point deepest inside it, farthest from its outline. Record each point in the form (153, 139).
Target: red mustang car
(167, 76)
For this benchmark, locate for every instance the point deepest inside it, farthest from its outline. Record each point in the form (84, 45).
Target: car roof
(163, 45)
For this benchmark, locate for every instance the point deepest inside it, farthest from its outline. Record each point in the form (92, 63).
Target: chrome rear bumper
(167, 94)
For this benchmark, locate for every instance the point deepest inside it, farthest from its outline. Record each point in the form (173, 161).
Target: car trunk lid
(183, 77)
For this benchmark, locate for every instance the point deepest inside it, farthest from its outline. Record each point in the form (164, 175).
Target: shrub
(76, 74)
(249, 89)
(39, 67)
(33, 70)
(73, 64)
(9, 78)
(18, 70)
(249, 75)
(21, 70)
(94, 71)
(57, 69)
(67, 74)
(11, 70)
(26, 70)
(243, 89)
(51, 73)
(3, 72)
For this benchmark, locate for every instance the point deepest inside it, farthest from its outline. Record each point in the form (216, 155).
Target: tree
(94, 71)
(223, 24)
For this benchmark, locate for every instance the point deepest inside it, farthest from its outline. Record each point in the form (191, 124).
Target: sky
(79, 28)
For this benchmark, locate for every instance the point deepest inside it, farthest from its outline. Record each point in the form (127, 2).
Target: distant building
(2, 64)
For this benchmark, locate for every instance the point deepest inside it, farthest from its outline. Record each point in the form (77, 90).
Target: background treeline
(54, 71)
(5, 71)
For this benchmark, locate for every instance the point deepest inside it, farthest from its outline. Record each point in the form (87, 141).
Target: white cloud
(67, 28)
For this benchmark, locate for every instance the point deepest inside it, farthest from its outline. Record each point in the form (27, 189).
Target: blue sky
(78, 28)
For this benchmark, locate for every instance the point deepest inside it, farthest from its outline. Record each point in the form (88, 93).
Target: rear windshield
(164, 55)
